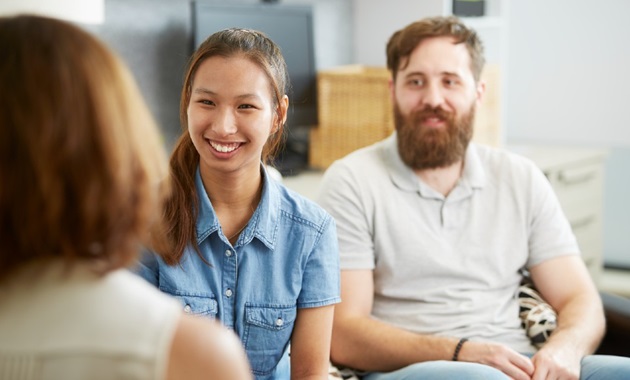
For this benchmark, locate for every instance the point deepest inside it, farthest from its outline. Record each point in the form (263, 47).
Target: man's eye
(416, 82)
(450, 82)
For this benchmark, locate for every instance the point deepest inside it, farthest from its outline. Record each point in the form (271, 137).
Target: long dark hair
(182, 208)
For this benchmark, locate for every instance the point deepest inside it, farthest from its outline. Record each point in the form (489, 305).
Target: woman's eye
(246, 106)
(206, 102)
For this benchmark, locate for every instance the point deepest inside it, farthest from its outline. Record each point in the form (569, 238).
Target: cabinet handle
(576, 177)
(584, 222)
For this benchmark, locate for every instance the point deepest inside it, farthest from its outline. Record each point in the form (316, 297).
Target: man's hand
(552, 363)
(499, 356)
(564, 282)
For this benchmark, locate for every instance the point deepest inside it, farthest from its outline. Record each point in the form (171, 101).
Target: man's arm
(564, 282)
(362, 342)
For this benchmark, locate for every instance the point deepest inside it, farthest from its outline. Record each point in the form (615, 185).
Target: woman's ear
(392, 89)
(281, 114)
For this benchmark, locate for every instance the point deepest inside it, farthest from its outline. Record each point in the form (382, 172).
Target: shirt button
(279, 322)
(228, 293)
(187, 309)
(228, 253)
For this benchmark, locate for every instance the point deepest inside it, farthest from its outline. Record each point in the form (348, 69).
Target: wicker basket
(354, 110)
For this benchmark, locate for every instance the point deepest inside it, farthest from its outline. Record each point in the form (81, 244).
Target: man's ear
(480, 91)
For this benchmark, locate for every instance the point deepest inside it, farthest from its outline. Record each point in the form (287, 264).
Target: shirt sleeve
(342, 194)
(147, 267)
(321, 283)
(550, 231)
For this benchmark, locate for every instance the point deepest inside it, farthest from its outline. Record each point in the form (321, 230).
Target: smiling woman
(231, 115)
(243, 248)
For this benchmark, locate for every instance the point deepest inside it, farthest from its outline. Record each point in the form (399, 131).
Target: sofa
(617, 338)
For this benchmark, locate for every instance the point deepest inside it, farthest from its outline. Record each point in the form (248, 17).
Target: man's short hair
(405, 40)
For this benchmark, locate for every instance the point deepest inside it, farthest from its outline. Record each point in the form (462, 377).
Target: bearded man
(434, 232)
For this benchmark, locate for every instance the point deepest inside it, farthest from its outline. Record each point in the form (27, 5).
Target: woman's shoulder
(299, 207)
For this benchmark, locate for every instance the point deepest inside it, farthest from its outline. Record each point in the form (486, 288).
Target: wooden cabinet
(577, 177)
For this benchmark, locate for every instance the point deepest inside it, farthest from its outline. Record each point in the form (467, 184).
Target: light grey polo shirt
(446, 265)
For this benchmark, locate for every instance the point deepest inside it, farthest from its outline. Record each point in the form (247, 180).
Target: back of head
(403, 42)
(82, 166)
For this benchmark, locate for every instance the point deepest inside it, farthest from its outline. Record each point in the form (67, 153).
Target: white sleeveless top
(80, 326)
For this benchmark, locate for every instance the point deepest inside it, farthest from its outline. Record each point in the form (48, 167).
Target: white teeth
(224, 148)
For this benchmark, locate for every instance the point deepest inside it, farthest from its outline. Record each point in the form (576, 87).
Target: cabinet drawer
(576, 176)
(589, 238)
(578, 185)
(579, 191)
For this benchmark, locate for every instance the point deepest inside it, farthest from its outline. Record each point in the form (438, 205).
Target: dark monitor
(289, 26)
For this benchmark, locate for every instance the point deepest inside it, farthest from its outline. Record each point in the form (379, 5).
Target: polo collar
(402, 176)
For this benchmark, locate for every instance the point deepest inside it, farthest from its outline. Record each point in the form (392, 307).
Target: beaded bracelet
(458, 348)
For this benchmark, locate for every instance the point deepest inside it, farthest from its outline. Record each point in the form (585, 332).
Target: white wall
(376, 20)
(568, 75)
(333, 32)
(568, 82)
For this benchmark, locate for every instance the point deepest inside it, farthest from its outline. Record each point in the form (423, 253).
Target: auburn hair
(84, 172)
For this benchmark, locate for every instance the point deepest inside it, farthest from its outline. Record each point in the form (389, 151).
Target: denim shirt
(285, 259)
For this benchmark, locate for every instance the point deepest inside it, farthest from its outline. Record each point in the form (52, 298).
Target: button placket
(228, 284)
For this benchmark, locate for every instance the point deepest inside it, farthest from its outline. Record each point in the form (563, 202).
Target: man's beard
(422, 147)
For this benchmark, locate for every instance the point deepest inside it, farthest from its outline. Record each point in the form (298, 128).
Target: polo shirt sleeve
(550, 231)
(342, 195)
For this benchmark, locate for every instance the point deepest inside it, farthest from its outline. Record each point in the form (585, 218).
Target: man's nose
(433, 96)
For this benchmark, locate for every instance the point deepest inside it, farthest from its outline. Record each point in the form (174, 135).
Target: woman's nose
(225, 122)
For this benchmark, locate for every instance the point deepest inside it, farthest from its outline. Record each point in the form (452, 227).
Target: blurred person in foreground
(83, 179)
(434, 232)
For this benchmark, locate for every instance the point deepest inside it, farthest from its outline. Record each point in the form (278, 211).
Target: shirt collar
(262, 224)
(473, 176)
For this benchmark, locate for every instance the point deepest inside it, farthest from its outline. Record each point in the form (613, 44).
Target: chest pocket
(205, 305)
(267, 333)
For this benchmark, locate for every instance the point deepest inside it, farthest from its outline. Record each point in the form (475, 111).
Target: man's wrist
(458, 348)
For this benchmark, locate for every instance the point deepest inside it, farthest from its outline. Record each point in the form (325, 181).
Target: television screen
(289, 26)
